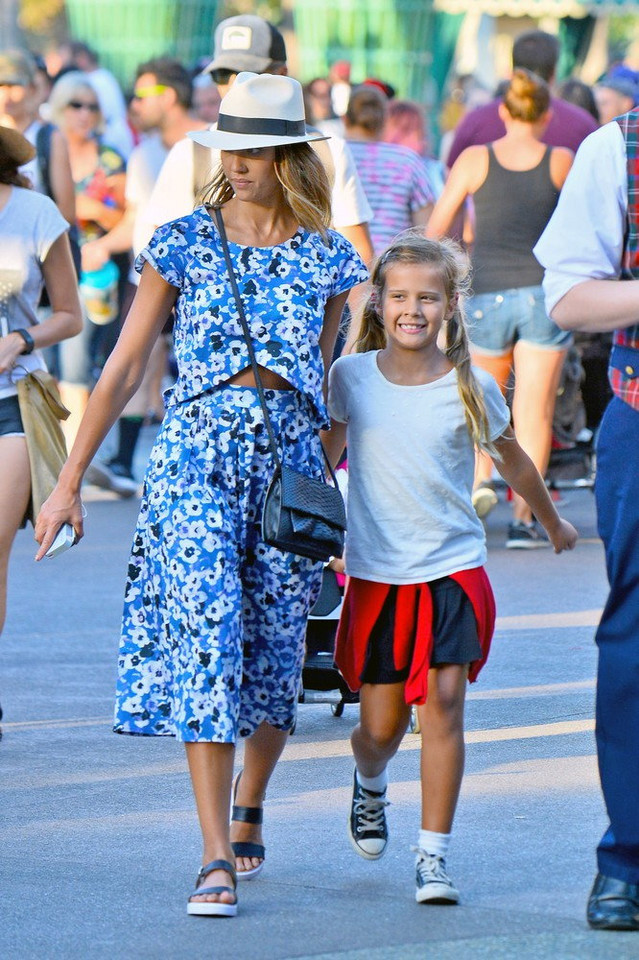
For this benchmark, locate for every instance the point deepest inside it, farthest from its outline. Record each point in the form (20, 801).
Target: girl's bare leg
(442, 763)
(383, 719)
(15, 489)
(262, 750)
(211, 769)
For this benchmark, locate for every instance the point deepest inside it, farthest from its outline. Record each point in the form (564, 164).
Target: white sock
(434, 843)
(376, 784)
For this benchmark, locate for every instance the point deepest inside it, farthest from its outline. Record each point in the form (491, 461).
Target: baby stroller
(321, 680)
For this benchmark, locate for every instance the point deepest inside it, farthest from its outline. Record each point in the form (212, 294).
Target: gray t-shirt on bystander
(29, 224)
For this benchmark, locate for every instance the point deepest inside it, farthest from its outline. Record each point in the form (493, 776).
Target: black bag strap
(249, 343)
(43, 153)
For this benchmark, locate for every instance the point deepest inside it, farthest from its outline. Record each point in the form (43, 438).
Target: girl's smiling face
(414, 306)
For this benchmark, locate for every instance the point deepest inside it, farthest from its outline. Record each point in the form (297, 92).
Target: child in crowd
(419, 610)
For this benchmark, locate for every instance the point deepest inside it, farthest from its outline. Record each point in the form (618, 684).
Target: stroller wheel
(337, 709)
(292, 730)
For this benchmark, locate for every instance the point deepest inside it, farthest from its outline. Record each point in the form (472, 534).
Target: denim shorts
(10, 420)
(499, 319)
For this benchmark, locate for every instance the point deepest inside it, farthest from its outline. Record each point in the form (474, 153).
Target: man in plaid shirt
(590, 251)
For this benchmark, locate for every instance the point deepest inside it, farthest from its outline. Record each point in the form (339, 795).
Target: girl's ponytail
(371, 334)
(470, 393)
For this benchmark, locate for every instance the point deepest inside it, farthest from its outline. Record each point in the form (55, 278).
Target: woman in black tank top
(514, 183)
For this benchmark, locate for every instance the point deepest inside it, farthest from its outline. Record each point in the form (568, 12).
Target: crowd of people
(346, 234)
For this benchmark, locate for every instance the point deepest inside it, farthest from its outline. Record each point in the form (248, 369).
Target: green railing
(126, 32)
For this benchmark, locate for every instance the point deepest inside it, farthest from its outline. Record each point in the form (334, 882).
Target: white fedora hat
(260, 110)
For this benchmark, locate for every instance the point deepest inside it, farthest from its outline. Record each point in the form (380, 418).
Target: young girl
(419, 610)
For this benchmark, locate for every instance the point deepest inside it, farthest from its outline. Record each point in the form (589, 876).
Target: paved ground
(99, 835)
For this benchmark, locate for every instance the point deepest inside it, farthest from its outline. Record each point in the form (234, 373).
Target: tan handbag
(42, 410)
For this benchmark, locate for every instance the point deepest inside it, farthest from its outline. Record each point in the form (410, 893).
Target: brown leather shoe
(613, 904)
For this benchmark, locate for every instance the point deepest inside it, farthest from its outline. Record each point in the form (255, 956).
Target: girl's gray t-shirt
(411, 462)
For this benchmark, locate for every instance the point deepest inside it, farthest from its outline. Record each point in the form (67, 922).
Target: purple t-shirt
(568, 126)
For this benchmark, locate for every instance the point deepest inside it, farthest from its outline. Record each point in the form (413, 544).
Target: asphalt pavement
(99, 837)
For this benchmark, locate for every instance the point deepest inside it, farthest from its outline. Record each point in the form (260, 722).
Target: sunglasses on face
(81, 105)
(221, 77)
(141, 93)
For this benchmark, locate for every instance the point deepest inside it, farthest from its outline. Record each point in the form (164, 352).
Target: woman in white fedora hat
(214, 618)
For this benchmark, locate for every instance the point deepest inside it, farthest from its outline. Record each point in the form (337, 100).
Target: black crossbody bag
(301, 515)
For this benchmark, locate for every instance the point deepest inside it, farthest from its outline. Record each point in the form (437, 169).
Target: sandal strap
(243, 848)
(247, 814)
(218, 865)
(205, 891)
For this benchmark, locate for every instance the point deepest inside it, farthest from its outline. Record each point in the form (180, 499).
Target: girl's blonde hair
(303, 179)
(452, 263)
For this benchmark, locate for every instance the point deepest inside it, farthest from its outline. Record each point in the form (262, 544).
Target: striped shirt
(396, 185)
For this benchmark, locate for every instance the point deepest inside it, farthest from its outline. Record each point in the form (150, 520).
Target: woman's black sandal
(242, 848)
(213, 908)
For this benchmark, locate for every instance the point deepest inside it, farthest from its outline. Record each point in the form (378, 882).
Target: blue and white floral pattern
(284, 290)
(214, 619)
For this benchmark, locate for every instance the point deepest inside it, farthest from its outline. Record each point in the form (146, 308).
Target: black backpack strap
(43, 152)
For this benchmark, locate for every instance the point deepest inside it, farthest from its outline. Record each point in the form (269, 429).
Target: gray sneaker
(526, 536)
(433, 883)
(367, 826)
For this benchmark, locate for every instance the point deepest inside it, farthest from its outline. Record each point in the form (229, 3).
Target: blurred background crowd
(105, 90)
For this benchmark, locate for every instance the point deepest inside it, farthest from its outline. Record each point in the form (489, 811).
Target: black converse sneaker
(433, 883)
(367, 827)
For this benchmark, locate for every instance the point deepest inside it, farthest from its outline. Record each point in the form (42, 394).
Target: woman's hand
(562, 535)
(63, 506)
(11, 347)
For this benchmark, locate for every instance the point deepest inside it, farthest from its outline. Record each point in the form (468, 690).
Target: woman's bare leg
(15, 489)
(500, 368)
(262, 750)
(211, 769)
(537, 374)
(442, 763)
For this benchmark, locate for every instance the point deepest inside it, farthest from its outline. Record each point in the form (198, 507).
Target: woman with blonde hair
(214, 617)
(98, 172)
(515, 184)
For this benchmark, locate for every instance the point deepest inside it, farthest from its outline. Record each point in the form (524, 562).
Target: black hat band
(261, 126)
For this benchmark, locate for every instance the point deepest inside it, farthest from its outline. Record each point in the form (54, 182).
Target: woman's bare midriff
(270, 380)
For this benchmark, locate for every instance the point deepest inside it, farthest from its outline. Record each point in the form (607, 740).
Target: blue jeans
(617, 721)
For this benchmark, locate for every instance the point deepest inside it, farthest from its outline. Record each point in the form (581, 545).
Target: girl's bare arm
(522, 476)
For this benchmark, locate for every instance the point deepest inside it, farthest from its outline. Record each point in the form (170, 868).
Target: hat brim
(238, 62)
(222, 140)
(15, 146)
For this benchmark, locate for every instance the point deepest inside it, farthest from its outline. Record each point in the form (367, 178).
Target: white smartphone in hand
(65, 538)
